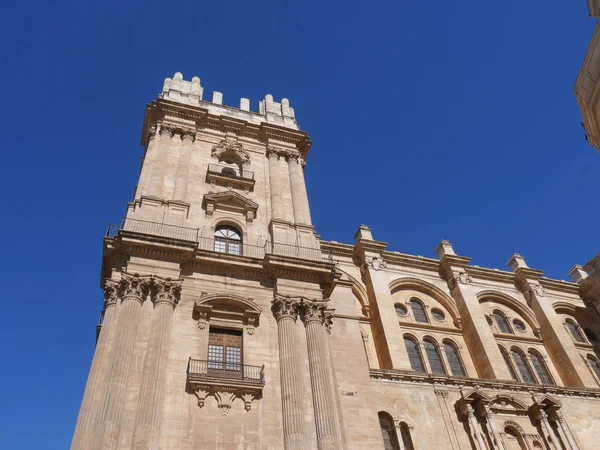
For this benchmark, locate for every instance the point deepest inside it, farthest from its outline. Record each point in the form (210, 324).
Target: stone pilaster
(161, 152)
(86, 421)
(494, 432)
(133, 290)
(298, 187)
(165, 295)
(295, 435)
(149, 161)
(475, 427)
(548, 428)
(183, 168)
(327, 420)
(277, 212)
(562, 423)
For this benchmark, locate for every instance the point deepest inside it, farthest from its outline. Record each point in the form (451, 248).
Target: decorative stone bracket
(226, 395)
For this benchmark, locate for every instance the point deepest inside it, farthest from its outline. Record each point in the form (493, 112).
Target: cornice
(444, 380)
(416, 262)
(561, 286)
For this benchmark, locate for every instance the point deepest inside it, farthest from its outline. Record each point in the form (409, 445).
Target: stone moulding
(412, 377)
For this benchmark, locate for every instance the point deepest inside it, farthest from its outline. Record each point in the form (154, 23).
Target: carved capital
(459, 278)
(534, 290)
(285, 306)
(316, 311)
(134, 286)
(111, 293)
(166, 291)
(377, 263)
(152, 132)
(190, 134)
(169, 130)
(273, 152)
(292, 157)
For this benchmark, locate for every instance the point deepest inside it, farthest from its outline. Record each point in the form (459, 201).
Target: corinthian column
(285, 310)
(327, 420)
(276, 185)
(299, 195)
(475, 427)
(146, 435)
(133, 290)
(97, 377)
(549, 430)
(161, 152)
(495, 435)
(183, 168)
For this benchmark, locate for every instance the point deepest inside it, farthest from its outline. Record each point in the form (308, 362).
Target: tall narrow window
(225, 352)
(523, 367)
(574, 330)
(434, 357)
(418, 311)
(228, 240)
(414, 355)
(406, 437)
(595, 366)
(540, 367)
(501, 322)
(388, 432)
(453, 358)
(509, 364)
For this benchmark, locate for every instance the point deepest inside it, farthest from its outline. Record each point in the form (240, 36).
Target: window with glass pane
(540, 367)
(234, 358)
(434, 357)
(501, 322)
(215, 356)
(575, 331)
(418, 311)
(228, 240)
(523, 367)
(414, 356)
(388, 433)
(454, 360)
(595, 366)
(509, 364)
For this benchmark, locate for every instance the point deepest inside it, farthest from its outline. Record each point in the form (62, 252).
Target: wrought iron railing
(253, 251)
(154, 229)
(229, 171)
(204, 369)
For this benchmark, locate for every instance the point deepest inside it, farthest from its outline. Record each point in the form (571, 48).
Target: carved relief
(231, 145)
(377, 263)
(534, 289)
(110, 293)
(460, 277)
(166, 291)
(134, 286)
(285, 306)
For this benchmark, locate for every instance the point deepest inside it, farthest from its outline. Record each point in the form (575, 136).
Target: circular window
(591, 335)
(400, 309)
(520, 326)
(438, 314)
(489, 320)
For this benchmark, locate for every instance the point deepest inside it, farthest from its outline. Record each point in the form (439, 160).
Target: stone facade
(229, 324)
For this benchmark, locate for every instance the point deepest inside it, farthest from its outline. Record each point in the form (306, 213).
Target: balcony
(230, 176)
(168, 233)
(225, 381)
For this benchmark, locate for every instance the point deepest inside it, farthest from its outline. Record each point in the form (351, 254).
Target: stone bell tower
(205, 280)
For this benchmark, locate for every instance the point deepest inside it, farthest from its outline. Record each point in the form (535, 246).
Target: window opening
(523, 367)
(520, 326)
(414, 355)
(575, 331)
(509, 364)
(225, 352)
(501, 322)
(540, 367)
(434, 358)
(453, 358)
(400, 309)
(228, 240)
(438, 314)
(595, 366)
(418, 311)
(388, 432)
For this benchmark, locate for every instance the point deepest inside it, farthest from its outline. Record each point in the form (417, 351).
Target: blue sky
(430, 120)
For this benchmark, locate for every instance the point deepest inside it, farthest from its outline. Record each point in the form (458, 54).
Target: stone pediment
(229, 201)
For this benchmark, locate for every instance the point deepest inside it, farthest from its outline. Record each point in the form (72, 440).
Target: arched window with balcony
(388, 432)
(434, 357)
(414, 354)
(501, 322)
(228, 240)
(418, 311)
(575, 331)
(540, 367)
(453, 358)
(509, 364)
(523, 366)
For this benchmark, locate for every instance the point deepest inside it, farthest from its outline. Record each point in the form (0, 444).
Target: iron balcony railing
(231, 172)
(154, 229)
(221, 370)
(208, 243)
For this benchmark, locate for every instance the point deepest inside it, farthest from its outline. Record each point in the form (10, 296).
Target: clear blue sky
(430, 120)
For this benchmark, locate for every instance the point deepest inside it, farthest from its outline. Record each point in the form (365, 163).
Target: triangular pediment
(229, 201)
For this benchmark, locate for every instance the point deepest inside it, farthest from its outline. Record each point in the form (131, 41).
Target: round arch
(428, 289)
(512, 303)
(357, 288)
(229, 306)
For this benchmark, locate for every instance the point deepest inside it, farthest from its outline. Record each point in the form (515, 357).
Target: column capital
(189, 134)
(111, 293)
(165, 291)
(285, 306)
(168, 129)
(134, 286)
(316, 311)
(273, 152)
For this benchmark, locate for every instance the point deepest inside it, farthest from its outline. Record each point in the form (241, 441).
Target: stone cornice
(202, 118)
(443, 380)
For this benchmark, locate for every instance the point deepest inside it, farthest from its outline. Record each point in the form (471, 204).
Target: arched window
(453, 358)
(228, 240)
(229, 171)
(509, 364)
(414, 355)
(594, 365)
(574, 330)
(418, 311)
(406, 437)
(540, 367)
(388, 432)
(501, 322)
(523, 366)
(516, 435)
(434, 357)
